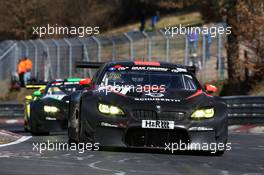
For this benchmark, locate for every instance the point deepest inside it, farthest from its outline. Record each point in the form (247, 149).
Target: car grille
(139, 137)
(153, 115)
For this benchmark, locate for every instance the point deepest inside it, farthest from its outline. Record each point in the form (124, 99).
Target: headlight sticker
(109, 109)
(205, 113)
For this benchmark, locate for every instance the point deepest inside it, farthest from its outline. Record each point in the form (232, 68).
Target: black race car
(147, 105)
(48, 111)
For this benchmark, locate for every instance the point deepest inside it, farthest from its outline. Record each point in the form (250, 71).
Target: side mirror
(36, 93)
(85, 81)
(210, 88)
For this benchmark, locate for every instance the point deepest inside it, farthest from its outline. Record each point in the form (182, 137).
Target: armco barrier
(245, 109)
(241, 109)
(11, 109)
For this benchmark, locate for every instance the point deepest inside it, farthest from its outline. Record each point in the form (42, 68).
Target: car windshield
(62, 88)
(170, 80)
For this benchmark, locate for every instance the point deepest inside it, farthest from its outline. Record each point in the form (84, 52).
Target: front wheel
(73, 125)
(26, 126)
(85, 131)
(35, 125)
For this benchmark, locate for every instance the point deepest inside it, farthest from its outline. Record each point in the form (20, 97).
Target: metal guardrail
(11, 109)
(241, 109)
(245, 109)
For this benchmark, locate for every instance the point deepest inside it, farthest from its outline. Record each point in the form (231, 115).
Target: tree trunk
(234, 64)
(233, 59)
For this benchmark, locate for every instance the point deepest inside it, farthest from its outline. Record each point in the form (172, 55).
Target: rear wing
(86, 64)
(95, 65)
(191, 69)
(36, 85)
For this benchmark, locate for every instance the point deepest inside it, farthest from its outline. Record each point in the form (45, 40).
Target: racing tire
(86, 134)
(73, 131)
(26, 127)
(34, 124)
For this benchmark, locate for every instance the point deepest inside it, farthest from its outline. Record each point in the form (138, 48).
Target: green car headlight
(108, 109)
(51, 109)
(203, 113)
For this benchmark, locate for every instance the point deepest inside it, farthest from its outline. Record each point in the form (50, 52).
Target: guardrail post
(49, 70)
(4, 54)
(16, 57)
(149, 45)
(167, 45)
(186, 58)
(131, 46)
(70, 56)
(35, 58)
(58, 57)
(99, 48)
(219, 55)
(26, 48)
(86, 55)
(204, 78)
(113, 48)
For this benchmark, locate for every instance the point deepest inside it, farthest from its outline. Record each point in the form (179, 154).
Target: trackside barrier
(11, 109)
(245, 109)
(241, 109)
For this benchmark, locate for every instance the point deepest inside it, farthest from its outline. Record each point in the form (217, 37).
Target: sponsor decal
(147, 68)
(157, 99)
(111, 68)
(157, 124)
(155, 95)
(179, 70)
(150, 68)
(108, 125)
(118, 67)
(50, 118)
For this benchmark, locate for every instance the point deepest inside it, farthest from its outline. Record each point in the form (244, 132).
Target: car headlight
(203, 113)
(108, 109)
(51, 109)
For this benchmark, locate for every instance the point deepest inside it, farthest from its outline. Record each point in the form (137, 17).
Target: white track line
(20, 140)
(11, 121)
(117, 172)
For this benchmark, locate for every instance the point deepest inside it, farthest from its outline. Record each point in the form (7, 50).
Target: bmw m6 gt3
(147, 105)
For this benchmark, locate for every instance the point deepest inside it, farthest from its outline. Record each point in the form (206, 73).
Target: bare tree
(246, 18)
(18, 16)
(247, 21)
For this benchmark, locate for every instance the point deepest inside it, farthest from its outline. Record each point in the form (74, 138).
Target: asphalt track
(246, 157)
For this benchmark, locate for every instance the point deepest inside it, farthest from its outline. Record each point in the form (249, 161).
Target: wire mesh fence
(55, 58)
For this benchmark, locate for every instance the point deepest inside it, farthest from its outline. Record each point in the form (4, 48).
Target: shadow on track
(159, 151)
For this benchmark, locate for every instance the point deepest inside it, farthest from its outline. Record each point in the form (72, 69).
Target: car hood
(170, 100)
(60, 101)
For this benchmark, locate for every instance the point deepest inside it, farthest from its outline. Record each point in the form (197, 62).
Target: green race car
(47, 109)
(29, 98)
